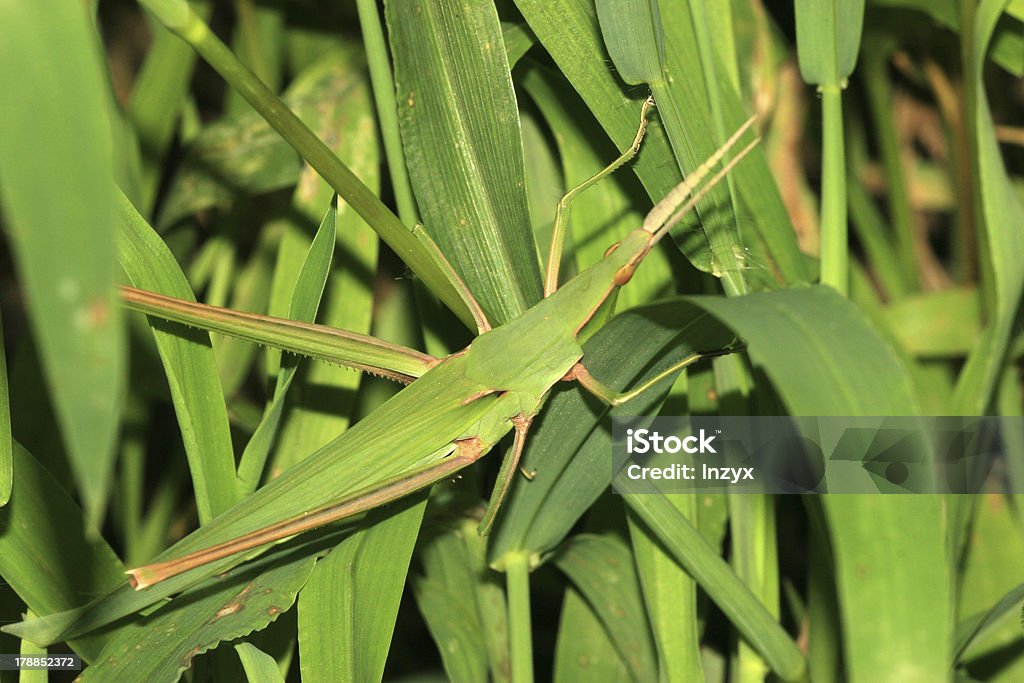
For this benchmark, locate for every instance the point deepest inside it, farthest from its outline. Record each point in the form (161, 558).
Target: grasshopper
(455, 409)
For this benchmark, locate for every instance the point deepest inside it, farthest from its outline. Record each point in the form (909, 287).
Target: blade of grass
(570, 33)
(583, 650)
(259, 666)
(755, 558)
(453, 625)
(891, 559)
(189, 364)
(158, 97)
(671, 598)
(387, 107)
(998, 211)
(828, 39)
(258, 40)
(471, 632)
(601, 568)
(347, 610)
(29, 649)
(517, 577)
(721, 584)
(241, 155)
(987, 606)
(58, 203)
(880, 98)
(460, 127)
(179, 17)
(324, 402)
(976, 627)
(162, 645)
(306, 298)
(42, 527)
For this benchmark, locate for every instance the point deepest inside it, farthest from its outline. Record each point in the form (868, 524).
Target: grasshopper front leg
(562, 210)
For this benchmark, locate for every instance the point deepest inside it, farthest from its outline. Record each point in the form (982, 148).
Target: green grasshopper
(455, 409)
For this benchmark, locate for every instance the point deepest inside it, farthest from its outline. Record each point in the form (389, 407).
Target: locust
(454, 409)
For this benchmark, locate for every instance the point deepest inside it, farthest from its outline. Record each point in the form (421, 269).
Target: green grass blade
(1008, 41)
(158, 97)
(29, 649)
(891, 560)
(824, 377)
(258, 40)
(520, 618)
(42, 527)
(179, 17)
(570, 33)
(880, 97)
(632, 33)
(460, 127)
(601, 568)
(162, 645)
(894, 585)
(57, 194)
(828, 39)
(259, 666)
(722, 585)
(471, 631)
(518, 41)
(6, 440)
(988, 613)
(306, 298)
(755, 557)
(1000, 209)
(941, 324)
(454, 626)
(325, 399)
(976, 627)
(378, 60)
(189, 365)
(583, 650)
(347, 610)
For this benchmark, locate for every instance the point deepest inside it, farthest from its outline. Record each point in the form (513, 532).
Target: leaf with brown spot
(601, 569)
(143, 652)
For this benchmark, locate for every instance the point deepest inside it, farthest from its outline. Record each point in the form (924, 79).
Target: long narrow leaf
(58, 200)
(460, 128)
(189, 365)
(42, 527)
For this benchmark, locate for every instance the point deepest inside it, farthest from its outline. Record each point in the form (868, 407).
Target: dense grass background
(889, 171)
